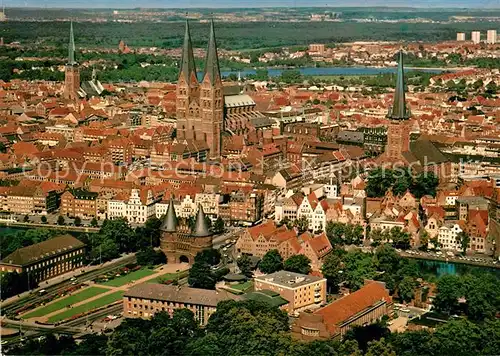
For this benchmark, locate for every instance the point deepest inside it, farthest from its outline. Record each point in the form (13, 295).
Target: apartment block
(301, 291)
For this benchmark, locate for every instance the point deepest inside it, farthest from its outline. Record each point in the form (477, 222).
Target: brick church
(179, 242)
(200, 106)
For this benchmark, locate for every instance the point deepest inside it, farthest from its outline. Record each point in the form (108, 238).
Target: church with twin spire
(200, 104)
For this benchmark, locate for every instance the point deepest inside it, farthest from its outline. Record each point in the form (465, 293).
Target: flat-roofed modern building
(301, 291)
(144, 300)
(46, 259)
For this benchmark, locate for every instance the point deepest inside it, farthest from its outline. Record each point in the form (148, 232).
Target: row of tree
(255, 328)
(380, 180)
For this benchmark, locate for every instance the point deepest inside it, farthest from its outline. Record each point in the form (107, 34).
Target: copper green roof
(201, 228)
(188, 67)
(399, 111)
(170, 221)
(212, 59)
(71, 47)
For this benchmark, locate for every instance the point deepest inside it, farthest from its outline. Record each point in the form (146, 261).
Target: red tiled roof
(266, 229)
(348, 306)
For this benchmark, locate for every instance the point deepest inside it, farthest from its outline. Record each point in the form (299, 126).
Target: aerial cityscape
(230, 179)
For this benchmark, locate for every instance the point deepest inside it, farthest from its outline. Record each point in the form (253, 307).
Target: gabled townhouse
(260, 239)
(447, 235)
(137, 206)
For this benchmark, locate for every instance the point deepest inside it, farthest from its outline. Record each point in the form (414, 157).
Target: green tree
(43, 219)
(298, 264)
(245, 265)
(358, 266)
(201, 276)
(463, 239)
(379, 181)
(209, 256)
(400, 239)
(271, 262)
(78, 221)
(93, 222)
(380, 348)
(332, 271)
(148, 256)
(249, 325)
(425, 184)
(387, 259)
(403, 180)
(302, 224)
(26, 218)
(60, 220)
(449, 290)
(219, 226)
(424, 239)
(377, 236)
(406, 289)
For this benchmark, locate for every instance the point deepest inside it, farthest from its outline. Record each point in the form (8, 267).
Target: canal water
(440, 268)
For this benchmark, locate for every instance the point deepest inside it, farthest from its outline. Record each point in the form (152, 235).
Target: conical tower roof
(201, 228)
(399, 111)
(71, 47)
(188, 67)
(169, 223)
(212, 59)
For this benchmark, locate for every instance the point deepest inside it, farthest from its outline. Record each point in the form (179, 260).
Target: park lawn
(97, 303)
(242, 286)
(129, 277)
(169, 276)
(64, 302)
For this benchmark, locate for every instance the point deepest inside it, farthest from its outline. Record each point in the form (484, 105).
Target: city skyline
(129, 4)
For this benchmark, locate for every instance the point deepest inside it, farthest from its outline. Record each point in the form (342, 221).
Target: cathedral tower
(187, 91)
(200, 106)
(72, 71)
(398, 132)
(212, 99)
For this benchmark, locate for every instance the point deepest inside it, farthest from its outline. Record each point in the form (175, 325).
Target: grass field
(242, 286)
(132, 276)
(169, 276)
(64, 302)
(97, 303)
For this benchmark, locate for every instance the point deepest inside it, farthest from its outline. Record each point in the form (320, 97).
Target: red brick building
(363, 307)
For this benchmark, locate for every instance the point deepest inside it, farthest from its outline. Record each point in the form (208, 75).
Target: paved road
(60, 283)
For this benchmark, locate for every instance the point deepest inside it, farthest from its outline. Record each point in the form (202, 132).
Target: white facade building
(447, 237)
(491, 36)
(476, 37)
(138, 208)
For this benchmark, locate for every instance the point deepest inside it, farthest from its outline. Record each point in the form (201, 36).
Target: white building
(476, 37)
(491, 36)
(460, 36)
(314, 211)
(447, 236)
(138, 207)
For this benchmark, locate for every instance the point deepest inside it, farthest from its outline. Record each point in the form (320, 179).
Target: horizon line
(252, 7)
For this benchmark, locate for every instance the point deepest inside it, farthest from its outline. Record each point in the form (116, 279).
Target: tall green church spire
(399, 111)
(71, 47)
(187, 63)
(212, 60)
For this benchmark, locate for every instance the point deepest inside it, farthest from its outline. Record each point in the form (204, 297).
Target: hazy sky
(247, 3)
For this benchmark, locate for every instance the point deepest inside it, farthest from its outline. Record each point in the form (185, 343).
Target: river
(439, 268)
(275, 72)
